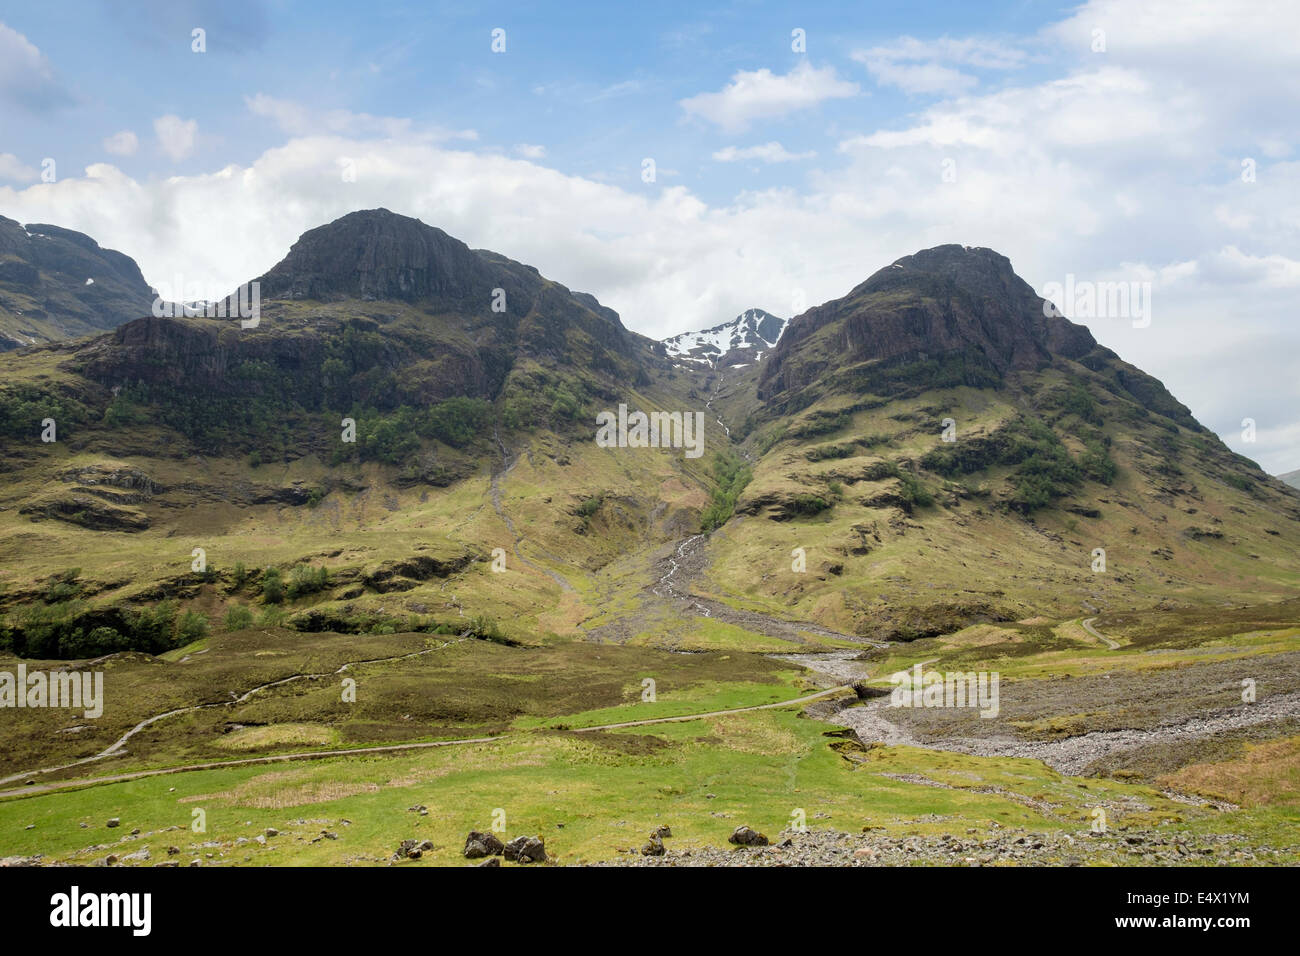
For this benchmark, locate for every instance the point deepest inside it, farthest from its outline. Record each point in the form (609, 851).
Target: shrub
(65, 588)
(1079, 401)
(732, 475)
(806, 504)
(913, 492)
(272, 586)
(239, 575)
(486, 629)
(304, 579)
(1097, 465)
(458, 421)
(154, 628)
(272, 616)
(238, 617)
(191, 627)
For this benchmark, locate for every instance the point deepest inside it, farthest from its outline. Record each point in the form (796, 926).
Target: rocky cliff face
(375, 254)
(943, 316)
(56, 283)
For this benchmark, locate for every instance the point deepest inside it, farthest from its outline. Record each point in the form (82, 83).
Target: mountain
(56, 284)
(742, 341)
(1291, 478)
(380, 310)
(471, 384)
(951, 451)
(393, 380)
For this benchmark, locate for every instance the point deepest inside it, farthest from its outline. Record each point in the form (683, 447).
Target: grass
(590, 796)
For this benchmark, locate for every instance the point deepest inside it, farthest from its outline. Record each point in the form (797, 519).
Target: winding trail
(1087, 626)
(393, 748)
(115, 748)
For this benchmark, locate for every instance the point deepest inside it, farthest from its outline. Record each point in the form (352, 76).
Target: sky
(685, 161)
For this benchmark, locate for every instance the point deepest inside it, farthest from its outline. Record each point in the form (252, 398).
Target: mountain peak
(950, 303)
(736, 342)
(975, 269)
(377, 254)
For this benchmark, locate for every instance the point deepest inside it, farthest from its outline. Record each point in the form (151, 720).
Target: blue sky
(597, 84)
(1140, 141)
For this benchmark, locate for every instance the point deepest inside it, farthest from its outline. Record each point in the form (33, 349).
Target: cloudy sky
(685, 161)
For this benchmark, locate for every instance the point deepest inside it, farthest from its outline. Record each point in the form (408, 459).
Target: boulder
(482, 844)
(747, 836)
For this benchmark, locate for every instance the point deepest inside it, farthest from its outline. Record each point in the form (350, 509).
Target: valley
(476, 612)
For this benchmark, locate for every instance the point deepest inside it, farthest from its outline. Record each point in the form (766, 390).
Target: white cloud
(26, 76)
(772, 152)
(917, 66)
(297, 119)
(122, 143)
(921, 77)
(175, 135)
(14, 170)
(762, 94)
(530, 151)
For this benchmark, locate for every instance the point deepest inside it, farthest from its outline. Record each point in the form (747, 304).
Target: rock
(655, 846)
(173, 850)
(272, 832)
(482, 844)
(526, 850)
(411, 849)
(491, 861)
(747, 836)
(114, 822)
(663, 831)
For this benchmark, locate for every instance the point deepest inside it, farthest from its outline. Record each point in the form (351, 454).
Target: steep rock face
(56, 283)
(375, 254)
(957, 308)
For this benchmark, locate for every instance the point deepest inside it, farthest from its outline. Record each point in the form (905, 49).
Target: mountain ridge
(56, 283)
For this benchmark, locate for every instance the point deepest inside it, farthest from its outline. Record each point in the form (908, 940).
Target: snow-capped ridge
(753, 329)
